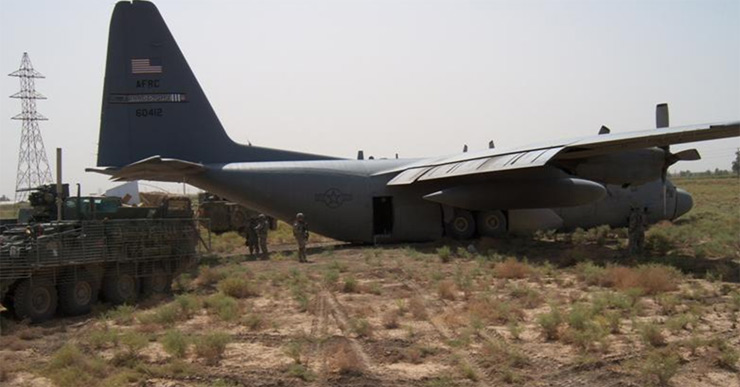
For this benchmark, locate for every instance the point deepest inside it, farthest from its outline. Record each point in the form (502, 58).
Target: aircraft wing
(153, 168)
(493, 161)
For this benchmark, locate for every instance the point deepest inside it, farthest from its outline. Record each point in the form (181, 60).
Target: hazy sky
(418, 78)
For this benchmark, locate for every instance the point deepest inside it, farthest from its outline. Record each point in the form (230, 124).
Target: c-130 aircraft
(157, 124)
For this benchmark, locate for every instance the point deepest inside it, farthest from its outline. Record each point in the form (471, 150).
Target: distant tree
(736, 163)
(4, 199)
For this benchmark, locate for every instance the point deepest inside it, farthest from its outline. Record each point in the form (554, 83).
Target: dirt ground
(402, 316)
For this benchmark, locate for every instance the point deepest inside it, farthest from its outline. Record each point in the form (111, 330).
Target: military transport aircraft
(157, 124)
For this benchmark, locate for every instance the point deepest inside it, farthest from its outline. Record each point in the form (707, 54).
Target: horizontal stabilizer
(153, 168)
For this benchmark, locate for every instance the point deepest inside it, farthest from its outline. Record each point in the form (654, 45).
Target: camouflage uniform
(252, 239)
(300, 232)
(263, 225)
(637, 232)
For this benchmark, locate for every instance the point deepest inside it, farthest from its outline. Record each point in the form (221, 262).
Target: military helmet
(299, 216)
(261, 216)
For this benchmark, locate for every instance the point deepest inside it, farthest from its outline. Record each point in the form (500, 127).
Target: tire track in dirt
(598, 372)
(340, 316)
(441, 329)
(319, 330)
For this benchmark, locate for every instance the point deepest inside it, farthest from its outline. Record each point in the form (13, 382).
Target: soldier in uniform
(252, 239)
(300, 232)
(263, 225)
(637, 231)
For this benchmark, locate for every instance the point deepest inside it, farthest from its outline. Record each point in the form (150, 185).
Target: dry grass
(344, 360)
(446, 290)
(390, 319)
(511, 268)
(651, 279)
(417, 308)
(211, 347)
(238, 287)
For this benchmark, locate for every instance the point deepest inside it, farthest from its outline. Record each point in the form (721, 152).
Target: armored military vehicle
(224, 215)
(100, 247)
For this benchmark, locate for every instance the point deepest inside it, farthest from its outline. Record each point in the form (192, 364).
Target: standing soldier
(637, 231)
(262, 226)
(252, 239)
(300, 232)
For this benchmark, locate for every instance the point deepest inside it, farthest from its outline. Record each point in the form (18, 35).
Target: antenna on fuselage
(360, 155)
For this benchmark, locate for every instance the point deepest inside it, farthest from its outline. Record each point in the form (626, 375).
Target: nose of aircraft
(684, 202)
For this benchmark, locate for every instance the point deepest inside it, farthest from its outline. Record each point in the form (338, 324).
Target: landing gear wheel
(462, 225)
(159, 283)
(492, 223)
(35, 300)
(121, 288)
(78, 297)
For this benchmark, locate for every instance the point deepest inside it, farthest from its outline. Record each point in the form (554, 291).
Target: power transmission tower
(33, 167)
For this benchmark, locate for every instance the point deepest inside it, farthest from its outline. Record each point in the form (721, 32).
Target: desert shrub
(374, 288)
(99, 339)
(122, 314)
(211, 347)
(728, 356)
(445, 254)
(490, 310)
(550, 323)
(599, 234)
(69, 366)
(417, 308)
(225, 307)
(498, 352)
(579, 236)
(467, 370)
(330, 278)
(651, 335)
(175, 343)
(189, 304)
(302, 372)
(166, 315)
(680, 321)
(133, 342)
(668, 303)
(526, 295)
(446, 290)
(658, 242)
(344, 359)
(338, 267)
(182, 283)
(350, 285)
(660, 366)
(589, 273)
(254, 321)
(208, 276)
(238, 287)
(390, 319)
(579, 316)
(511, 268)
(293, 350)
(652, 279)
(361, 327)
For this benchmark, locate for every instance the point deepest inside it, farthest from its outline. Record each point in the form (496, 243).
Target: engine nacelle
(629, 167)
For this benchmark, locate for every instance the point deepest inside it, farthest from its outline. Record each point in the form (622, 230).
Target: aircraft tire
(462, 225)
(35, 300)
(492, 223)
(78, 297)
(121, 288)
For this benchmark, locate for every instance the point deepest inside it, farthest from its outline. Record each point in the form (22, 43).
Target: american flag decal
(145, 66)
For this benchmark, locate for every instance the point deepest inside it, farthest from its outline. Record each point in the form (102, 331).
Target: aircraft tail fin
(153, 104)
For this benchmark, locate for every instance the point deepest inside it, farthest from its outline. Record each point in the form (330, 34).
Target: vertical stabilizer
(154, 106)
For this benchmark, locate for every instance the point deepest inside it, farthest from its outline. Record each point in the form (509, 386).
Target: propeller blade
(687, 155)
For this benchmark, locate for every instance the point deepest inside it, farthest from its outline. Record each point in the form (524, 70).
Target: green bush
(237, 287)
(211, 346)
(189, 304)
(350, 285)
(445, 254)
(225, 307)
(175, 343)
(660, 366)
(550, 323)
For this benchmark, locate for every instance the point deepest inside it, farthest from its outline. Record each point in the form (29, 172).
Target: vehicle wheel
(78, 297)
(35, 300)
(492, 223)
(462, 225)
(158, 283)
(121, 288)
